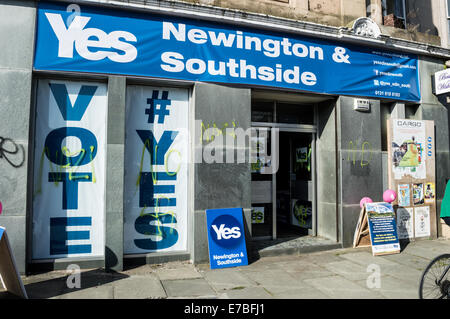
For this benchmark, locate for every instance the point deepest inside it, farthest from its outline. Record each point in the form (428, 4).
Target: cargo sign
(226, 238)
(108, 41)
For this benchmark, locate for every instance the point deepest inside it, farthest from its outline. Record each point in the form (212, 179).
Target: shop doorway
(283, 200)
(283, 203)
(294, 185)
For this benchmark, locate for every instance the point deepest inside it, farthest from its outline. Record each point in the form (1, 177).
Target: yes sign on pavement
(226, 238)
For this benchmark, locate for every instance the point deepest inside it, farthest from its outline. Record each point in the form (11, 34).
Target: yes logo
(226, 231)
(91, 43)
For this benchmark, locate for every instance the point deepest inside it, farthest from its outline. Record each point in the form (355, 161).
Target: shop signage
(382, 228)
(226, 238)
(69, 169)
(110, 41)
(442, 82)
(156, 157)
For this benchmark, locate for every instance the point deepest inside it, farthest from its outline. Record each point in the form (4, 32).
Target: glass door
(262, 184)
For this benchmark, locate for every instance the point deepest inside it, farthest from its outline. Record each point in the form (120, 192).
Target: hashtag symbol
(158, 107)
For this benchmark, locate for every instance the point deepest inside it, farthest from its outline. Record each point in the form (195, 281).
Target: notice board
(9, 275)
(411, 162)
(377, 228)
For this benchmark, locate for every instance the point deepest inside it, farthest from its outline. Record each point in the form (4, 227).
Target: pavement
(333, 274)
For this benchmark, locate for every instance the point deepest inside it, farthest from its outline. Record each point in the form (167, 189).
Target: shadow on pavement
(39, 287)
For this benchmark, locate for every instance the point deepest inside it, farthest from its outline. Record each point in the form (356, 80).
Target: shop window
(262, 111)
(394, 13)
(295, 114)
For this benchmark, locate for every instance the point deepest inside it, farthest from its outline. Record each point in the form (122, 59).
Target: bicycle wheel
(435, 281)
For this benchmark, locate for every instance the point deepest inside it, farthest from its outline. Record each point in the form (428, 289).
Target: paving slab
(366, 258)
(407, 260)
(348, 269)
(139, 287)
(177, 271)
(394, 288)
(249, 293)
(188, 288)
(298, 293)
(337, 287)
(274, 277)
(322, 257)
(100, 292)
(227, 279)
(427, 252)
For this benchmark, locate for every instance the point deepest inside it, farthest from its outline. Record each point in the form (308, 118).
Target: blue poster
(226, 238)
(107, 41)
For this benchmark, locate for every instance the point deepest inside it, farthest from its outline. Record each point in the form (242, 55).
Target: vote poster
(226, 238)
(69, 169)
(156, 159)
(382, 228)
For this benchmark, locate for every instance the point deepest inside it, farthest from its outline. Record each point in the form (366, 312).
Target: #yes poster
(156, 162)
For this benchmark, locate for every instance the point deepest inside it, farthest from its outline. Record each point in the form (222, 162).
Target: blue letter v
(75, 112)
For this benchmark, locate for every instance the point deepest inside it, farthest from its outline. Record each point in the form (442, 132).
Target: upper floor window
(394, 13)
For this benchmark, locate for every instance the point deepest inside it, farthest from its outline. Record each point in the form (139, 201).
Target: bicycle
(435, 280)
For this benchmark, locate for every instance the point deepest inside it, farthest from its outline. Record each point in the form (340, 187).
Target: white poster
(405, 223)
(69, 169)
(408, 149)
(422, 221)
(156, 159)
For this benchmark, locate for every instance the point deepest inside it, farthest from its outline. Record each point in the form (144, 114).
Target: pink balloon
(389, 196)
(365, 200)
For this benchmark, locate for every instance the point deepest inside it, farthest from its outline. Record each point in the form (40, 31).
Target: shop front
(142, 120)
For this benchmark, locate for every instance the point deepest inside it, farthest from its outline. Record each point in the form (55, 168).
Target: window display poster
(301, 213)
(408, 149)
(429, 193)
(404, 198)
(156, 161)
(258, 215)
(422, 221)
(69, 170)
(382, 228)
(418, 195)
(405, 223)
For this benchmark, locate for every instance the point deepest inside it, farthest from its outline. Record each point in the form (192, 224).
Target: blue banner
(108, 41)
(226, 238)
